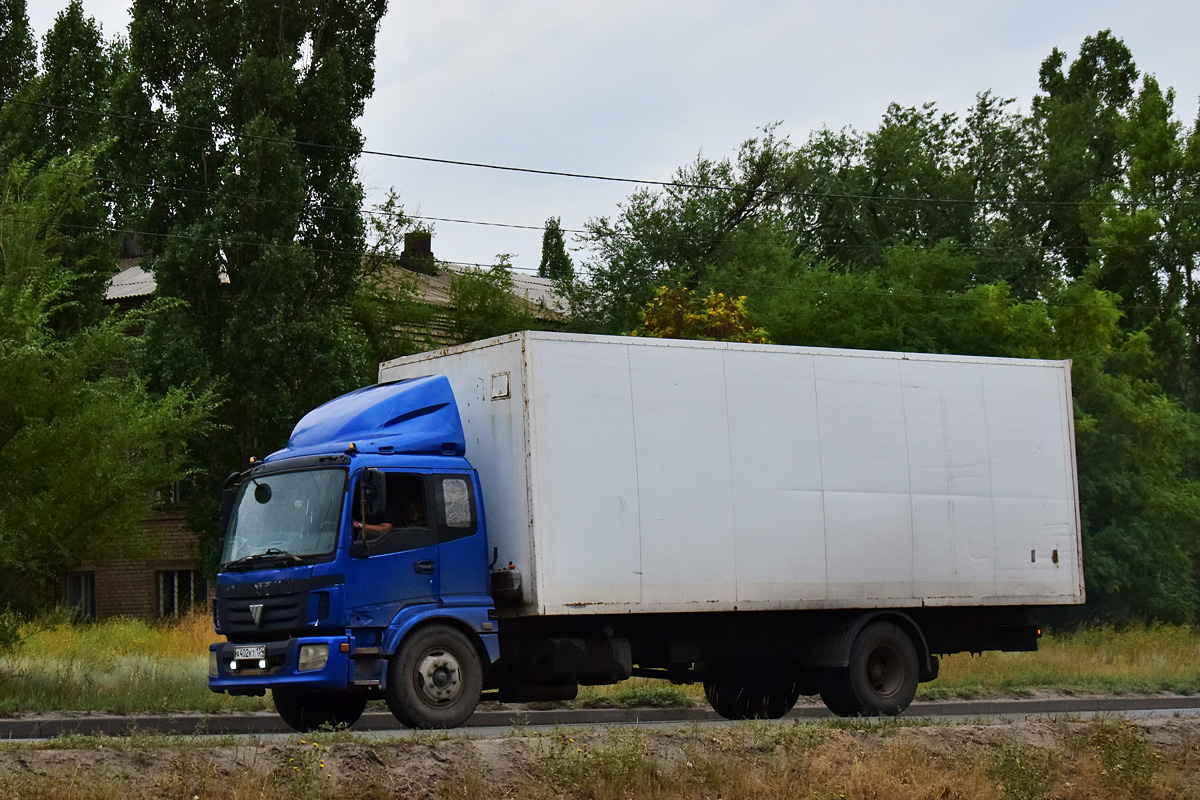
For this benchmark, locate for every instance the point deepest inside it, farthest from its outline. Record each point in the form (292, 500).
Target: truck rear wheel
(738, 698)
(881, 678)
(306, 711)
(435, 678)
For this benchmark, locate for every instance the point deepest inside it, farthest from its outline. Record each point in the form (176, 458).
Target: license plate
(250, 651)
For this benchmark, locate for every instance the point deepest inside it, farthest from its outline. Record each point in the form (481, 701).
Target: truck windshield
(288, 517)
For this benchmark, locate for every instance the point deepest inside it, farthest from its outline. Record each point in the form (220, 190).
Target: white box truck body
(628, 475)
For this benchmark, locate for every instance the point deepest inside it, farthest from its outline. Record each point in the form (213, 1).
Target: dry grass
(1144, 658)
(57, 638)
(119, 666)
(1108, 758)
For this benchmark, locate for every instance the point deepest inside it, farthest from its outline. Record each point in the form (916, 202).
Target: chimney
(418, 253)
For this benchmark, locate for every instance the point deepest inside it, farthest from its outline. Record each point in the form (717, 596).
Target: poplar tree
(556, 264)
(255, 219)
(17, 53)
(58, 112)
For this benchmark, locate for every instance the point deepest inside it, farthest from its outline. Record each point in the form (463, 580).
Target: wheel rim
(438, 677)
(885, 672)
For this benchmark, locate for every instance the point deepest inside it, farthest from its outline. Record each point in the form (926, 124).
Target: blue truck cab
(354, 565)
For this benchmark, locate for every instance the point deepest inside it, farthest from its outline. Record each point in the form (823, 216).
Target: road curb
(48, 727)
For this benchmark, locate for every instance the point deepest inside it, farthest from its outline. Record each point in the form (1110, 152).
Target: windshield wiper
(271, 553)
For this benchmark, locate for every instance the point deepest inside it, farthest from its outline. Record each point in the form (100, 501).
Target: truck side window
(402, 525)
(456, 506)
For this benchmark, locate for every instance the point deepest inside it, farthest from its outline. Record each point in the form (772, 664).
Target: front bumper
(282, 667)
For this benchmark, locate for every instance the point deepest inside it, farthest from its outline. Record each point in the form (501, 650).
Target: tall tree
(59, 112)
(256, 210)
(76, 74)
(17, 53)
(1078, 116)
(708, 227)
(556, 264)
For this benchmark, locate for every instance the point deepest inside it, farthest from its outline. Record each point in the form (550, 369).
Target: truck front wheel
(306, 711)
(881, 678)
(738, 698)
(435, 678)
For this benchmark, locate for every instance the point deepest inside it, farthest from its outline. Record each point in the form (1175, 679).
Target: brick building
(161, 581)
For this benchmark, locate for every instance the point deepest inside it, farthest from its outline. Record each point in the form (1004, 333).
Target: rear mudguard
(833, 648)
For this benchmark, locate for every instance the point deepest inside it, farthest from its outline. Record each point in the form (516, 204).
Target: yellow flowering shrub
(679, 313)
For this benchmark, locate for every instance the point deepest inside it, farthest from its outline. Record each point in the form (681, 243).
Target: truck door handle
(423, 567)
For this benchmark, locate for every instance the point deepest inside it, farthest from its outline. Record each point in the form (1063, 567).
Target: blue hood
(416, 416)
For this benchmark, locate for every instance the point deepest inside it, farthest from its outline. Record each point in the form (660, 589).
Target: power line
(741, 285)
(296, 203)
(585, 232)
(588, 176)
(222, 242)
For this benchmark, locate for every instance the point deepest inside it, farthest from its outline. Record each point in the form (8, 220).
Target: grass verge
(1100, 660)
(129, 666)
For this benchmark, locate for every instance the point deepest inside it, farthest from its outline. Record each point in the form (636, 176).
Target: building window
(180, 591)
(81, 594)
(175, 494)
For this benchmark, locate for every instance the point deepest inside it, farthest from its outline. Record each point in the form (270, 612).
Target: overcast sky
(636, 89)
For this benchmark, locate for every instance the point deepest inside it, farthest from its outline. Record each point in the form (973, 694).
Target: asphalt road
(487, 722)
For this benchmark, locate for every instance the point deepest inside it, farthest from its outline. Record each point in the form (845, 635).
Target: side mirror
(227, 492)
(374, 493)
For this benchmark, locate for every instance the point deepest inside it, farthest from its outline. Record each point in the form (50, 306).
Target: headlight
(212, 663)
(313, 656)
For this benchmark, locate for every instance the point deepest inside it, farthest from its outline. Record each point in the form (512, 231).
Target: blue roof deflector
(415, 416)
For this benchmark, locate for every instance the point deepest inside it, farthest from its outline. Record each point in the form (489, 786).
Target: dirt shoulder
(1107, 757)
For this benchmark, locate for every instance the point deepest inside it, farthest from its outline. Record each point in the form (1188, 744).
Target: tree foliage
(83, 443)
(484, 302)
(555, 264)
(679, 314)
(386, 305)
(17, 54)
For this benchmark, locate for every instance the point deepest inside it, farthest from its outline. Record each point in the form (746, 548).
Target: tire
(735, 698)
(435, 678)
(837, 697)
(306, 711)
(881, 678)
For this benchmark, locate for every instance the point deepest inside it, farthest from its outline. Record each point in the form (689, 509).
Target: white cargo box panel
(624, 474)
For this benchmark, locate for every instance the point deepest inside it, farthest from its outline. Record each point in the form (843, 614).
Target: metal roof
(132, 280)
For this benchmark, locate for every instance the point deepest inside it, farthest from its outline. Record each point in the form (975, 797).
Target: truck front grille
(279, 613)
(285, 607)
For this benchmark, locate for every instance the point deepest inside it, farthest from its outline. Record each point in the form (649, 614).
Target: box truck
(519, 516)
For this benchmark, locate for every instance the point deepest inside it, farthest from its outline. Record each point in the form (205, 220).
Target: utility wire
(740, 286)
(222, 242)
(582, 232)
(213, 130)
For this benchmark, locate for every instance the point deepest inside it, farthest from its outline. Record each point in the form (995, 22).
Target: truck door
(394, 551)
(463, 549)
